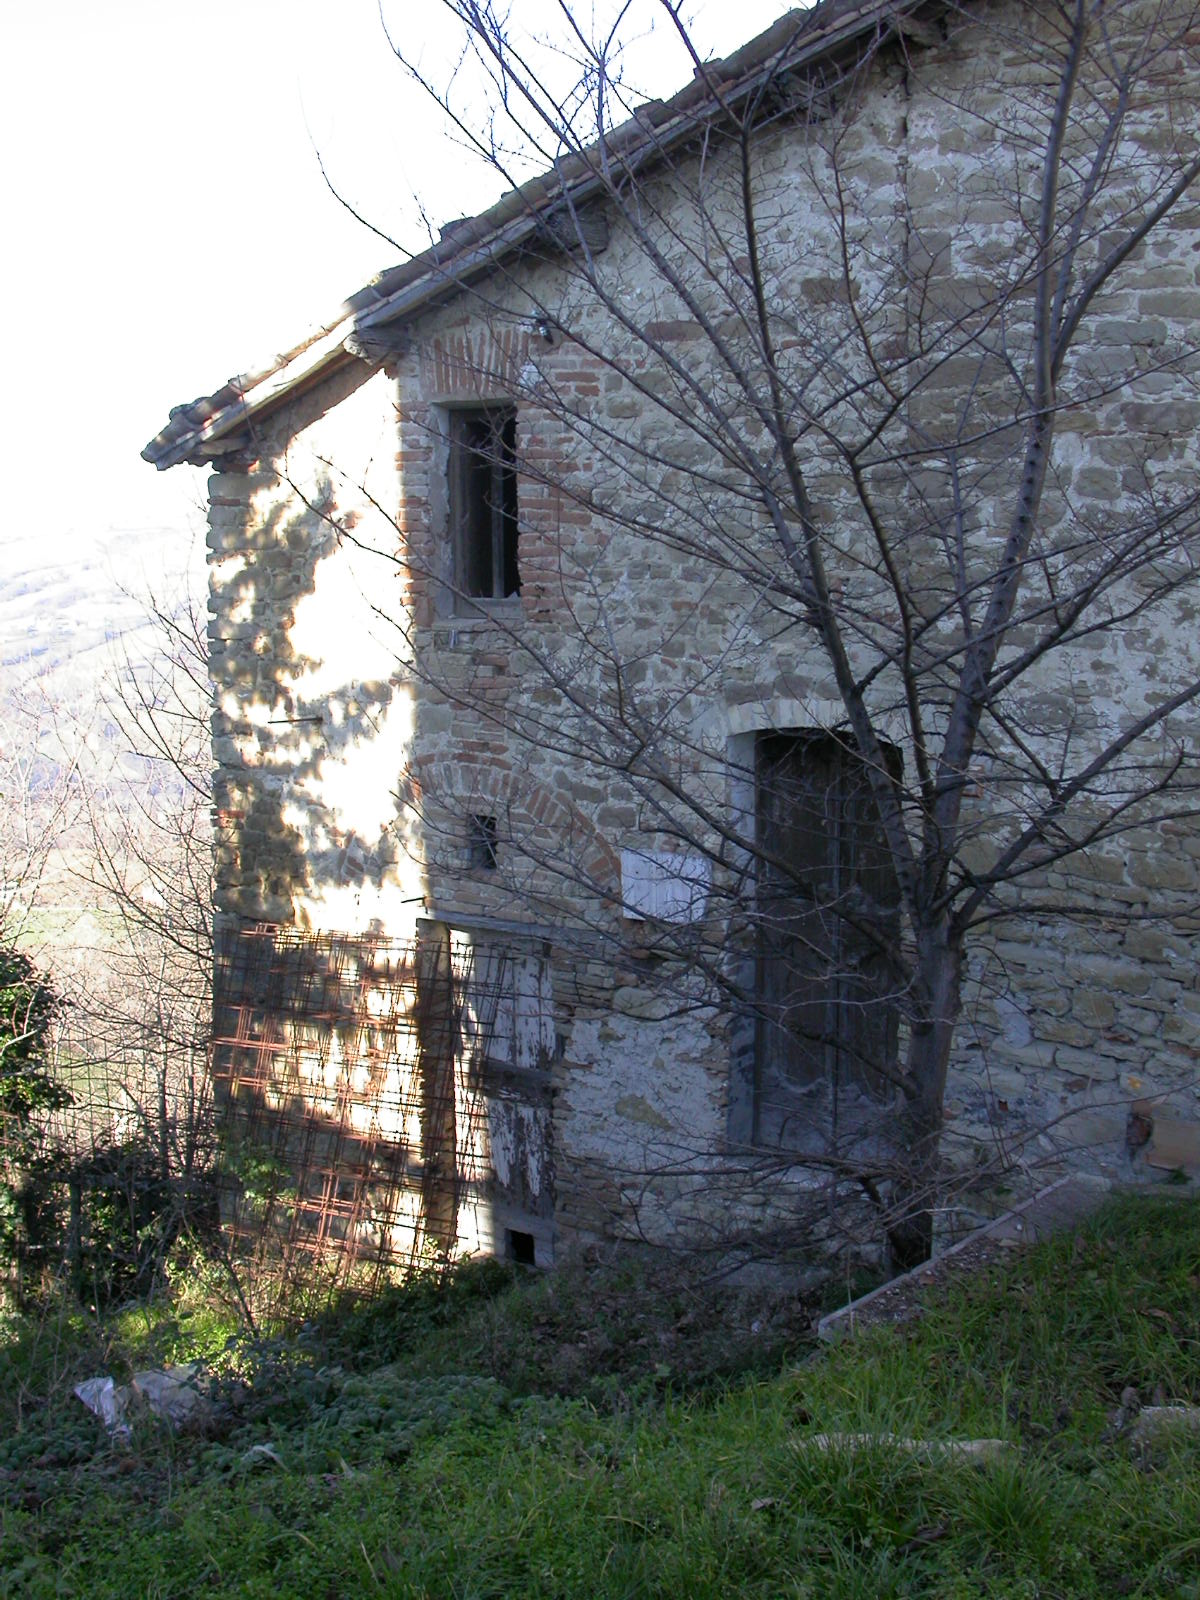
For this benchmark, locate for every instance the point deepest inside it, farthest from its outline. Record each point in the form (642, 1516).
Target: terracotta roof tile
(195, 432)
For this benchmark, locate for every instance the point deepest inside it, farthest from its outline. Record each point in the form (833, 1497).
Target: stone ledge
(982, 1450)
(1057, 1206)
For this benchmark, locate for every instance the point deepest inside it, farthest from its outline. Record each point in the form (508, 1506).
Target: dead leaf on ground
(924, 1536)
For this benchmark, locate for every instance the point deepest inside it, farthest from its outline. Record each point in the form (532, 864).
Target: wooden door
(827, 908)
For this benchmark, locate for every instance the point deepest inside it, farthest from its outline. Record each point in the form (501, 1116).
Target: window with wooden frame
(828, 917)
(483, 502)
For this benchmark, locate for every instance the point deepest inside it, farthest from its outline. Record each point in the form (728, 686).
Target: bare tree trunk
(939, 968)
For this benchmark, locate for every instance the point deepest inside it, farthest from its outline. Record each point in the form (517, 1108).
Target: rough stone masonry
(395, 753)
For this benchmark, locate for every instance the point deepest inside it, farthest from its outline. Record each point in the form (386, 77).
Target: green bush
(30, 1218)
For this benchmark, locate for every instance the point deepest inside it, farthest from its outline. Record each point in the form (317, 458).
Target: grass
(598, 1433)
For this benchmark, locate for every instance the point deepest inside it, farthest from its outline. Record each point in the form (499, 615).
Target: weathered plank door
(515, 1051)
(828, 912)
(486, 1041)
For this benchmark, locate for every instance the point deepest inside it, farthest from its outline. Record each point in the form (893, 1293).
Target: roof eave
(514, 219)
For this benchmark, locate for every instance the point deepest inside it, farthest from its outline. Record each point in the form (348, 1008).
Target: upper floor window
(483, 502)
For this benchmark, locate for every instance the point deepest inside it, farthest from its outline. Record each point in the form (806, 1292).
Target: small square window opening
(483, 842)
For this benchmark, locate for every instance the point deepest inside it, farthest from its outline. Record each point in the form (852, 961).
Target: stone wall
(366, 713)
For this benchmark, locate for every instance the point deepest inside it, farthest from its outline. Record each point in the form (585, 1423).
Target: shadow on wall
(286, 721)
(324, 1120)
(371, 1113)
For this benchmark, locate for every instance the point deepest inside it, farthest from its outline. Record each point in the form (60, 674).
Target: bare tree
(39, 798)
(145, 1002)
(870, 359)
(116, 898)
(105, 942)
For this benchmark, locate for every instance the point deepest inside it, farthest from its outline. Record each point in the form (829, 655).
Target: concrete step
(1058, 1206)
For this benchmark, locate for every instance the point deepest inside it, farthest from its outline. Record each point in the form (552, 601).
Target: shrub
(29, 1092)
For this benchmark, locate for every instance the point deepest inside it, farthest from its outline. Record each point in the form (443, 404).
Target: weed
(443, 1441)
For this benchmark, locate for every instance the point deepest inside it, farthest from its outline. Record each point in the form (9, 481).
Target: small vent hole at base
(520, 1248)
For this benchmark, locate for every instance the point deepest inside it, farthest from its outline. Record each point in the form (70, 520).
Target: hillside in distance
(71, 608)
(91, 785)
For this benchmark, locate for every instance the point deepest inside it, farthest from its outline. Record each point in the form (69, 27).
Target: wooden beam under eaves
(378, 344)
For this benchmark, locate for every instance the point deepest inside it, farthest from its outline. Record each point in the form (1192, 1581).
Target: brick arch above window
(529, 815)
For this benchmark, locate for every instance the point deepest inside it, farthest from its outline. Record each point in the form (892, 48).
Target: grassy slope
(580, 1436)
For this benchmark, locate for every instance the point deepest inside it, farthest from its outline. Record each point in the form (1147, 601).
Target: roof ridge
(470, 245)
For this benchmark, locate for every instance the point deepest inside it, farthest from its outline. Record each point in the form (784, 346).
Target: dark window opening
(484, 842)
(520, 1248)
(828, 917)
(483, 502)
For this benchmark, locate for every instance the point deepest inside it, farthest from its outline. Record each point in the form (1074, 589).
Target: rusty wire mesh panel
(349, 1090)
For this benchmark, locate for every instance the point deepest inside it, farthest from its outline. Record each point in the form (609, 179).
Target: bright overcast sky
(168, 225)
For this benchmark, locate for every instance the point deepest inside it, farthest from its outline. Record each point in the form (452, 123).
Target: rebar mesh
(348, 1075)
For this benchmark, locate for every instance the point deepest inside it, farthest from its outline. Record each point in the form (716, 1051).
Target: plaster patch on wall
(1014, 1024)
(652, 1091)
(664, 884)
(635, 1108)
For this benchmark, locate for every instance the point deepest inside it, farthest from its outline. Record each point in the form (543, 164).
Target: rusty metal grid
(346, 1072)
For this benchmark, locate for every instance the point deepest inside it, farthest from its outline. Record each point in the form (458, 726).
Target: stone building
(597, 594)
